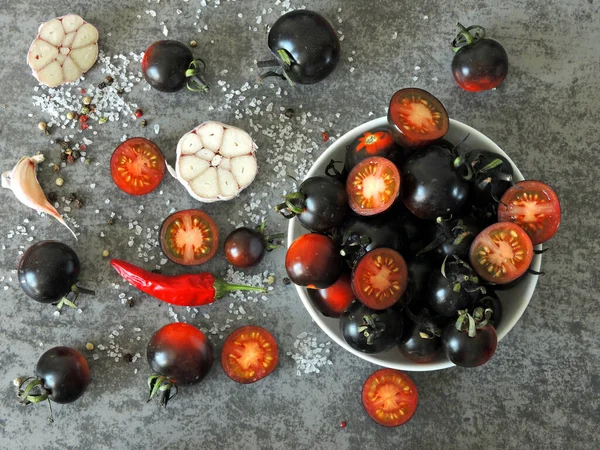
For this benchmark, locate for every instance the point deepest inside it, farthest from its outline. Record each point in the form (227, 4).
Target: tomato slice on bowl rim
(189, 237)
(390, 397)
(249, 354)
(416, 118)
(333, 300)
(534, 206)
(137, 166)
(374, 141)
(501, 253)
(373, 185)
(380, 278)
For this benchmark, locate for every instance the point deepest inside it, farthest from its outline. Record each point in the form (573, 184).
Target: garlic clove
(190, 167)
(86, 35)
(190, 144)
(244, 169)
(211, 134)
(70, 70)
(236, 142)
(23, 182)
(71, 22)
(85, 57)
(228, 186)
(41, 54)
(207, 183)
(52, 32)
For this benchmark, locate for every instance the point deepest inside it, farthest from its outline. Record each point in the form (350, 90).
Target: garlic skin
(215, 162)
(22, 181)
(64, 49)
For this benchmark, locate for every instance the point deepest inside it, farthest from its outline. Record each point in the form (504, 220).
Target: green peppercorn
(143, 123)
(103, 120)
(85, 110)
(86, 100)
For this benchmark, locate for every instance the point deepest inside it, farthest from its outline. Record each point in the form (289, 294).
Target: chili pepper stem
(222, 288)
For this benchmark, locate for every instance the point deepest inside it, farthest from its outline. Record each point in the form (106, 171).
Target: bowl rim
(507, 323)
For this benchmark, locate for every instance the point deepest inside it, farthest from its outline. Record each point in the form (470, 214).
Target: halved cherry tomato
(373, 186)
(533, 206)
(333, 300)
(137, 166)
(375, 142)
(249, 354)
(501, 253)
(416, 118)
(189, 237)
(390, 397)
(380, 278)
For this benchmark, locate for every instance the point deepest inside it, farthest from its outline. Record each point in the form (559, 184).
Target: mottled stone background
(540, 391)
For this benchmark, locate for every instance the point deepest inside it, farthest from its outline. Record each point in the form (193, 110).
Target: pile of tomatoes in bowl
(416, 242)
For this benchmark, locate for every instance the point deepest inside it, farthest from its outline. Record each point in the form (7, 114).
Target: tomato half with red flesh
(416, 118)
(380, 278)
(249, 354)
(534, 206)
(189, 237)
(501, 253)
(390, 397)
(314, 261)
(333, 300)
(373, 186)
(137, 166)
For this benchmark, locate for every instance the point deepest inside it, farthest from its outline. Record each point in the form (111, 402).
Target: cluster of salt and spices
(283, 153)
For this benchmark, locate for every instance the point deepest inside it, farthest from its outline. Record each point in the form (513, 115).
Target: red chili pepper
(194, 289)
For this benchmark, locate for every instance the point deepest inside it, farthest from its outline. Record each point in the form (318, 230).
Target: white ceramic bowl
(514, 301)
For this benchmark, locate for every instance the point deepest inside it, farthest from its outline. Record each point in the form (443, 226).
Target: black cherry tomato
(169, 65)
(181, 353)
(245, 247)
(467, 350)
(333, 300)
(375, 142)
(320, 204)
(479, 63)
(249, 354)
(137, 166)
(534, 206)
(380, 278)
(313, 261)
(416, 118)
(390, 397)
(501, 253)
(64, 373)
(373, 186)
(189, 237)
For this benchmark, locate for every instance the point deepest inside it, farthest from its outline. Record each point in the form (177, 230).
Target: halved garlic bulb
(215, 162)
(64, 49)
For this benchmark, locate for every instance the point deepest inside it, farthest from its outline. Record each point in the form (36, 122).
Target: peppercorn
(52, 197)
(102, 120)
(109, 79)
(138, 113)
(76, 154)
(143, 123)
(324, 136)
(70, 159)
(78, 203)
(120, 91)
(59, 181)
(89, 346)
(86, 100)
(85, 110)
(63, 144)
(68, 151)
(42, 126)
(87, 161)
(105, 253)
(130, 302)
(287, 281)
(289, 113)
(101, 85)
(193, 44)
(110, 221)
(128, 357)
(63, 156)
(55, 167)
(71, 115)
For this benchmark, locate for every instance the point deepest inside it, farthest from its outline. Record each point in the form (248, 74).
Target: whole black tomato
(246, 247)
(48, 270)
(469, 351)
(306, 46)
(313, 260)
(375, 142)
(492, 175)
(320, 204)
(479, 63)
(452, 238)
(419, 345)
(333, 300)
(420, 269)
(181, 353)
(371, 331)
(361, 234)
(490, 301)
(453, 290)
(169, 65)
(431, 186)
(64, 374)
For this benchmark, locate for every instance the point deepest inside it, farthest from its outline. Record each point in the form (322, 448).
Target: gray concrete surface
(540, 391)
